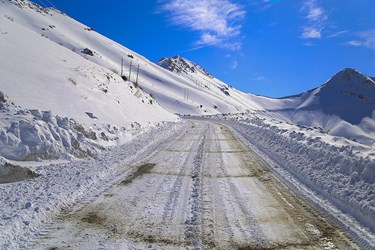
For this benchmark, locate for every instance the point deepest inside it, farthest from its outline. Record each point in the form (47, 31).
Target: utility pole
(136, 81)
(186, 94)
(130, 70)
(122, 65)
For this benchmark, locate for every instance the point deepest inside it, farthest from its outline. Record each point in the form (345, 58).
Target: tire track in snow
(175, 193)
(193, 231)
(258, 237)
(236, 231)
(171, 204)
(208, 223)
(213, 205)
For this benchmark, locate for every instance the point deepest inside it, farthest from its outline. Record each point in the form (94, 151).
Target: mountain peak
(346, 73)
(350, 78)
(348, 94)
(178, 65)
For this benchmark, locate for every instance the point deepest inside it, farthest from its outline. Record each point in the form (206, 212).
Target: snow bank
(28, 206)
(34, 135)
(344, 178)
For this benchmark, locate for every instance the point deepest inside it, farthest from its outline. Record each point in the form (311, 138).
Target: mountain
(349, 94)
(343, 106)
(205, 93)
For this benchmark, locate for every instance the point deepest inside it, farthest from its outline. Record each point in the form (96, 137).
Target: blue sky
(268, 47)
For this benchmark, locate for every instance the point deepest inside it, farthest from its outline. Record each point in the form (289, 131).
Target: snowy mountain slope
(349, 95)
(206, 95)
(344, 106)
(54, 102)
(214, 92)
(42, 74)
(55, 65)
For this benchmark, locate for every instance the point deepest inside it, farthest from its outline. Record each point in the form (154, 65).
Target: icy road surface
(206, 190)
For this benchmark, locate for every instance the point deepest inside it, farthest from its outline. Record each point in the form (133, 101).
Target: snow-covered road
(205, 190)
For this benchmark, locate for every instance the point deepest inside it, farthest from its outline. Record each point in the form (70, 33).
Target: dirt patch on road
(142, 169)
(93, 218)
(158, 240)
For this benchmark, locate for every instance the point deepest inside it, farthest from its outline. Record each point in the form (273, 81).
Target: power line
(43, 4)
(51, 4)
(46, 5)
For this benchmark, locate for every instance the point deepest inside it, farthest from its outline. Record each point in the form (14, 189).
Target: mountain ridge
(180, 65)
(349, 94)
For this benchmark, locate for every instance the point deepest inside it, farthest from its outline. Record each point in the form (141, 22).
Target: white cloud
(338, 34)
(208, 39)
(257, 77)
(231, 45)
(316, 17)
(234, 65)
(218, 21)
(311, 32)
(354, 43)
(365, 39)
(313, 11)
(368, 38)
(316, 14)
(261, 5)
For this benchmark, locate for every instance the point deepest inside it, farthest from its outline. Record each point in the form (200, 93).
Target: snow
(28, 206)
